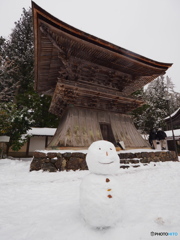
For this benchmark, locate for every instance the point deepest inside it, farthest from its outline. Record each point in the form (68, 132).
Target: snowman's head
(102, 158)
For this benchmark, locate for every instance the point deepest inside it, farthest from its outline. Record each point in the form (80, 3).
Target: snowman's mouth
(106, 163)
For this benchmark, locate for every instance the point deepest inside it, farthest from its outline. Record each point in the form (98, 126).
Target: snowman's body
(99, 190)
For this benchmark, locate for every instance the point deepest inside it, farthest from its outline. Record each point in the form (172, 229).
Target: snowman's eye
(99, 148)
(110, 148)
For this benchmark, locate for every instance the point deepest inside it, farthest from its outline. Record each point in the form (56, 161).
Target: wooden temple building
(173, 121)
(91, 82)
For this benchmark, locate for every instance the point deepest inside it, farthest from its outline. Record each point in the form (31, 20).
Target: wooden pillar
(27, 146)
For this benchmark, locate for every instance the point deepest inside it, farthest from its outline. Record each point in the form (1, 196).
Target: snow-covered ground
(45, 206)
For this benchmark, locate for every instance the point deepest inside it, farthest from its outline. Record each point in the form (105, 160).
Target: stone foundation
(56, 161)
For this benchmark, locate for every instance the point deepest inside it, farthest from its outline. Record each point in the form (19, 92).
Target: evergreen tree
(160, 101)
(173, 97)
(7, 69)
(14, 122)
(20, 50)
(17, 82)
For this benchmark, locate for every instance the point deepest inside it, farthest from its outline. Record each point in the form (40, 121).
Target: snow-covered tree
(17, 58)
(14, 122)
(7, 85)
(172, 96)
(17, 84)
(160, 101)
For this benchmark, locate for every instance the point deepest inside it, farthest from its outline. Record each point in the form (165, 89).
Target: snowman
(99, 190)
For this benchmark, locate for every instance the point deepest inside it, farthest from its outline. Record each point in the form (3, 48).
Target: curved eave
(40, 13)
(174, 116)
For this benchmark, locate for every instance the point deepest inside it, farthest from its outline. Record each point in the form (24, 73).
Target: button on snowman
(99, 190)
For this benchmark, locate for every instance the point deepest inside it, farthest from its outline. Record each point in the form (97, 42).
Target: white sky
(148, 27)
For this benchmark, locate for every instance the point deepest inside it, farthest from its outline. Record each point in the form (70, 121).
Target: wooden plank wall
(79, 127)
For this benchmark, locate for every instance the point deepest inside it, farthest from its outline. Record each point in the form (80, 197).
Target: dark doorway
(107, 133)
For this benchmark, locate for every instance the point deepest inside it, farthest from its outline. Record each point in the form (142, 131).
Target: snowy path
(45, 206)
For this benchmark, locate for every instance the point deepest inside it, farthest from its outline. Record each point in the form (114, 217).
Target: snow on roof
(4, 139)
(173, 114)
(41, 131)
(51, 132)
(176, 133)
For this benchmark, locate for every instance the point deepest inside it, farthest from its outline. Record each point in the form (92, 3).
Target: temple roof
(173, 120)
(69, 59)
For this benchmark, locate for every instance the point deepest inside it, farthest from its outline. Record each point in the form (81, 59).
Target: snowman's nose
(106, 153)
